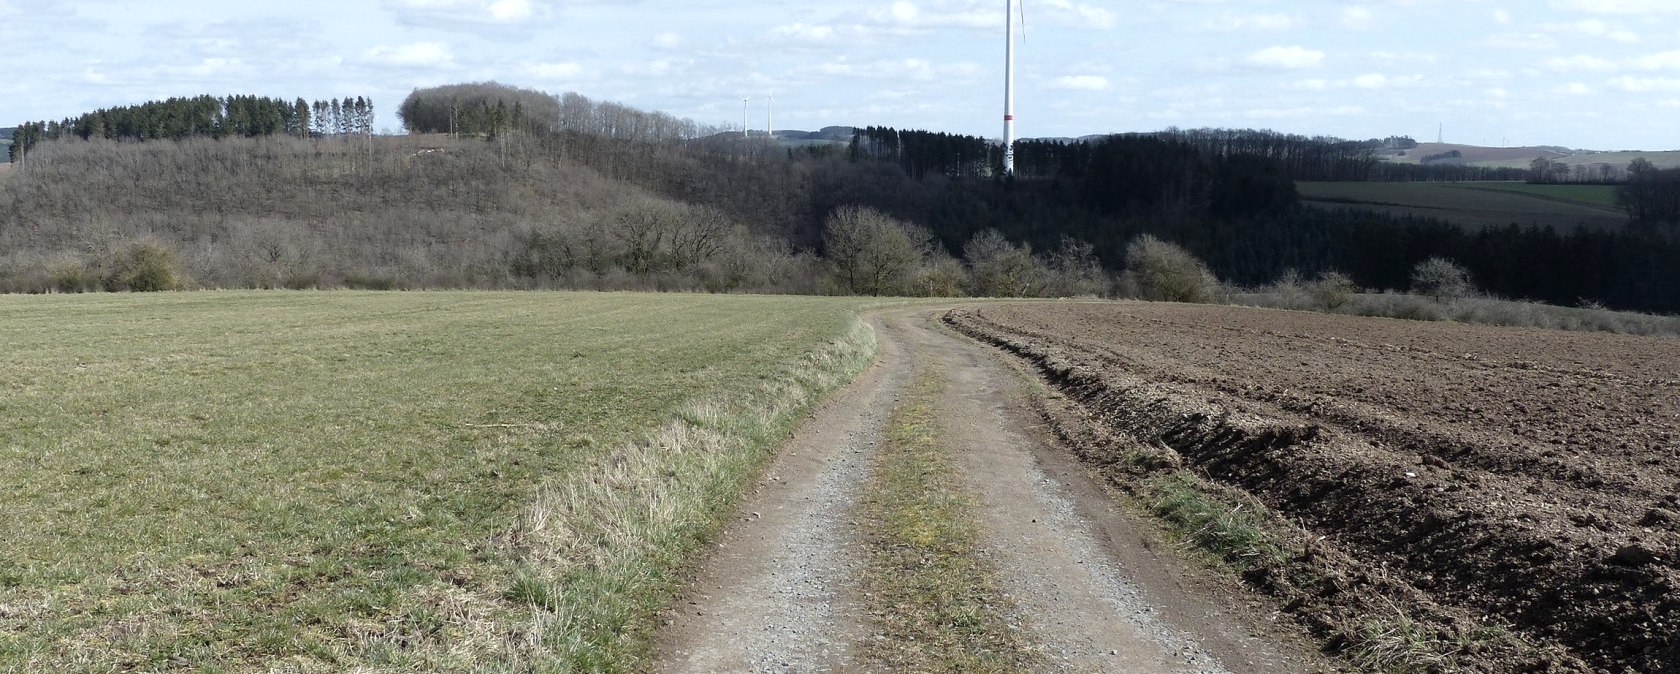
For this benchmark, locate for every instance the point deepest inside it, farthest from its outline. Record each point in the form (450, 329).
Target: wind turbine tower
(746, 131)
(1009, 87)
(770, 124)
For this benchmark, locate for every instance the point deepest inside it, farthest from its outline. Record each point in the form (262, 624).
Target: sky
(1588, 74)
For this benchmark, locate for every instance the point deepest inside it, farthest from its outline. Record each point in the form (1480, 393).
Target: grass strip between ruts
(935, 598)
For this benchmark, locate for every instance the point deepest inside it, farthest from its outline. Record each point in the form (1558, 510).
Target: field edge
(1353, 612)
(602, 554)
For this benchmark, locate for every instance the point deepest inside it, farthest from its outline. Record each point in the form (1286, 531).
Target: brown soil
(1464, 477)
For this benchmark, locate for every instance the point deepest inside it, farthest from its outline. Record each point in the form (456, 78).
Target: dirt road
(1095, 590)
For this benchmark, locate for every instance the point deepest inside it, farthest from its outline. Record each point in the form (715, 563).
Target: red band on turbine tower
(1008, 118)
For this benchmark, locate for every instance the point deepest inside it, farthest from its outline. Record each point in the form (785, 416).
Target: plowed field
(1523, 481)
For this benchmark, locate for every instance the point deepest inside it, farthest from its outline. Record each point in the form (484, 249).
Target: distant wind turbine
(1009, 82)
(746, 131)
(770, 122)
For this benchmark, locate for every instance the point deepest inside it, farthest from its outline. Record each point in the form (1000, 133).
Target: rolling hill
(1521, 157)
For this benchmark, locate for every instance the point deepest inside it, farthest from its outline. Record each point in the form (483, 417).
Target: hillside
(406, 211)
(1522, 157)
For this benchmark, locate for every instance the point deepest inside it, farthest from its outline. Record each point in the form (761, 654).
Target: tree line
(460, 211)
(1651, 195)
(209, 116)
(489, 108)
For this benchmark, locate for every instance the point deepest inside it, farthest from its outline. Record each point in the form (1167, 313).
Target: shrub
(1163, 272)
(71, 275)
(1441, 279)
(144, 267)
(1075, 271)
(1332, 290)
(999, 268)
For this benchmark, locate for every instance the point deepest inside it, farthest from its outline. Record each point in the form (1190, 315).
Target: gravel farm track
(1466, 480)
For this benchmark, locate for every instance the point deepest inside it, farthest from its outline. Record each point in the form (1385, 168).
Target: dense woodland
(610, 197)
(208, 116)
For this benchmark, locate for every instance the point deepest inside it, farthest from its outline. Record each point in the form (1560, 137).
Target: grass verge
(935, 598)
(380, 482)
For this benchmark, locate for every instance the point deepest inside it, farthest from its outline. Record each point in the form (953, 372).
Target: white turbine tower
(1009, 83)
(770, 122)
(746, 131)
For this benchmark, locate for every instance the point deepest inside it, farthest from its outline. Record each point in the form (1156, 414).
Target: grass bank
(307, 482)
(934, 597)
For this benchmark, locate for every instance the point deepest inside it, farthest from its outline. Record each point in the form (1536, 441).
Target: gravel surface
(1093, 592)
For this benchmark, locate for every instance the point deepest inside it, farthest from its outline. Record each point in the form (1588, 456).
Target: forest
(570, 192)
(210, 116)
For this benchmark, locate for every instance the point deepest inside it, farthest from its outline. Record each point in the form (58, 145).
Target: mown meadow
(347, 481)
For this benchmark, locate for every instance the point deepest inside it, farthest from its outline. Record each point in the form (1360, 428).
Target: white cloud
(910, 68)
(412, 54)
(668, 40)
(555, 71)
(511, 10)
(1668, 60)
(1078, 13)
(1371, 81)
(1501, 17)
(802, 32)
(1080, 83)
(1256, 23)
(1580, 62)
(1285, 58)
(488, 14)
(1642, 85)
(1576, 89)
(1359, 18)
(1598, 28)
(1619, 6)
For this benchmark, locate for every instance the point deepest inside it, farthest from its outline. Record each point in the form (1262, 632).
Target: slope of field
(1663, 159)
(1477, 205)
(408, 482)
(1506, 496)
(1522, 157)
(1476, 155)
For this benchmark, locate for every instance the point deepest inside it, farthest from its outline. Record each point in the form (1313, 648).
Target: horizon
(1586, 75)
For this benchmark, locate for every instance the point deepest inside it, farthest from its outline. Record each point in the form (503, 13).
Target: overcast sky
(1600, 74)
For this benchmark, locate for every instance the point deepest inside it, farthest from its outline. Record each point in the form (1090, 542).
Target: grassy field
(303, 482)
(1592, 196)
(1666, 159)
(1482, 204)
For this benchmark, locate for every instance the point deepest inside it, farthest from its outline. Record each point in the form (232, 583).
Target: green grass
(332, 481)
(1593, 196)
(937, 601)
(1238, 534)
(1477, 205)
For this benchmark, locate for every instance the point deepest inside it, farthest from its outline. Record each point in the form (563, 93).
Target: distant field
(1522, 157)
(1594, 196)
(1622, 159)
(358, 481)
(1477, 205)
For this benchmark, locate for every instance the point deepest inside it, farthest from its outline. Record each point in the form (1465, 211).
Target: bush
(1441, 279)
(144, 267)
(1332, 290)
(1164, 272)
(998, 268)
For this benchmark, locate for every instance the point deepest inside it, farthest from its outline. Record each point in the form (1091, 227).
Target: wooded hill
(609, 196)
